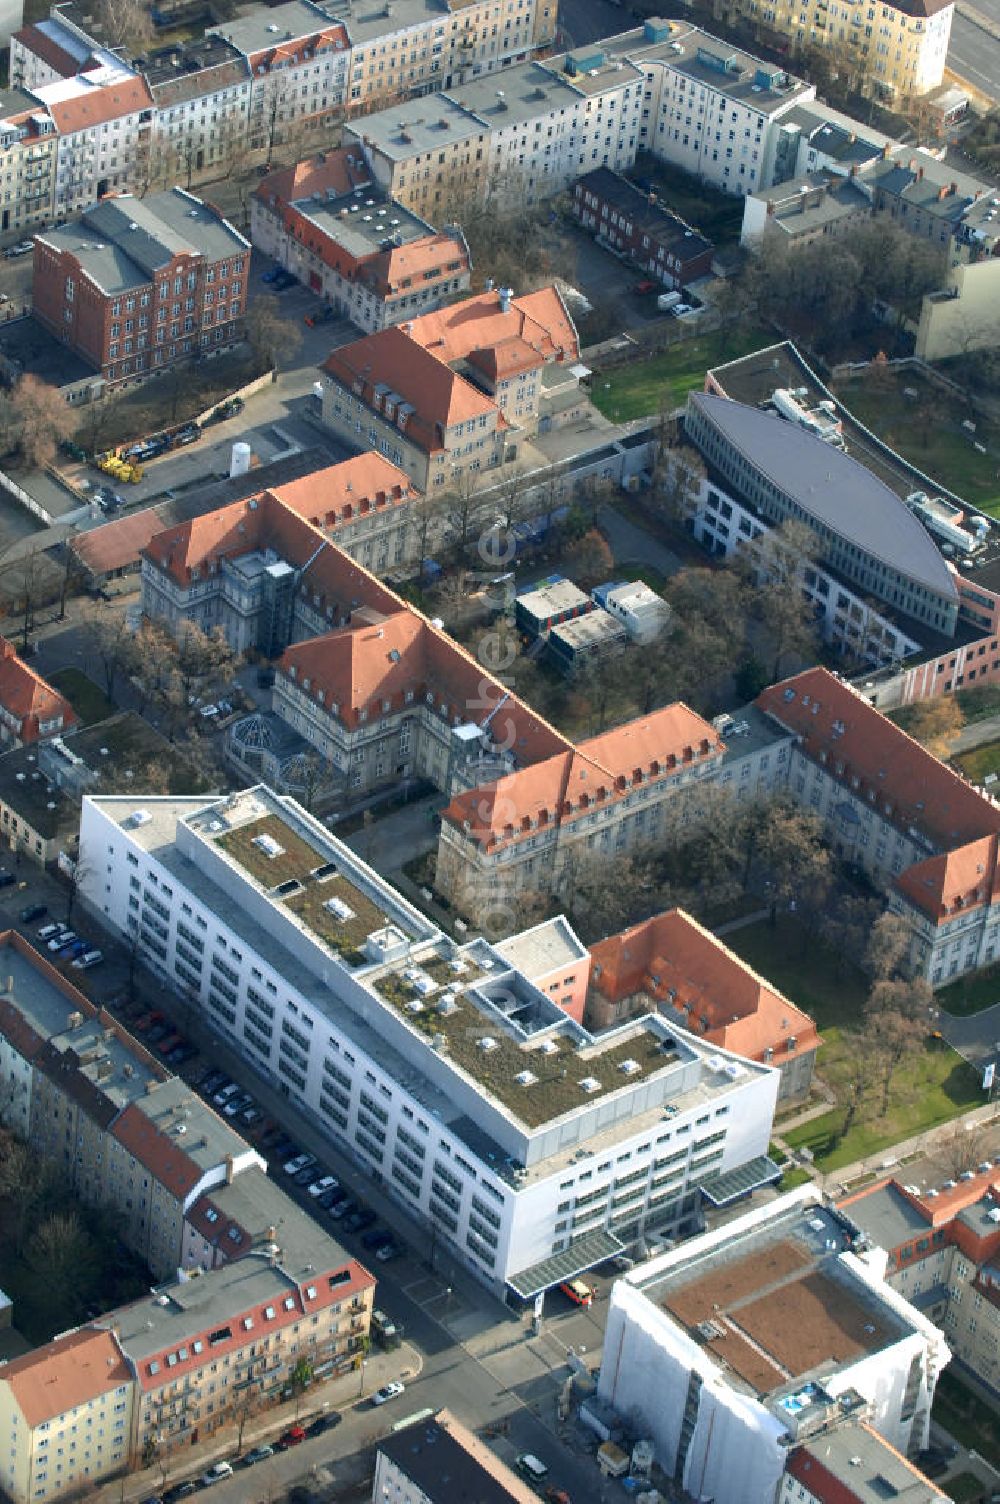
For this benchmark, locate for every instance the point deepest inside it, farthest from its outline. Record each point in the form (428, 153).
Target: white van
(532, 1466)
(88, 959)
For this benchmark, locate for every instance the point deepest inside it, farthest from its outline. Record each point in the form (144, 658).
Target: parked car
(169, 1042)
(237, 1104)
(258, 1454)
(325, 1183)
(291, 1438)
(390, 1391)
(47, 931)
(225, 1092)
(644, 287)
(88, 959)
(71, 952)
(320, 316)
(213, 1081)
(299, 1162)
(362, 1218)
(304, 1177)
(578, 1291)
(65, 937)
(6, 878)
(216, 1473)
(251, 1115)
(157, 1032)
(33, 911)
(188, 434)
(374, 1237)
(324, 1423)
(23, 248)
(555, 1495)
(326, 1200)
(386, 1252)
(209, 712)
(180, 1491)
(343, 1209)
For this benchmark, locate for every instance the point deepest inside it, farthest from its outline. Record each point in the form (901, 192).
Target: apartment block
(66, 1415)
(631, 220)
(436, 1066)
(850, 1463)
(204, 1348)
(136, 285)
(896, 50)
(940, 1247)
(299, 61)
(766, 1332)
(414, 49)
(365, 255)
(30, 709)
(27, 161)
(666, 87)
(454, 392)
(201, 102)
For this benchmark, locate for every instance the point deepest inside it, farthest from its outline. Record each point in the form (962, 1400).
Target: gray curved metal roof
(835, 489)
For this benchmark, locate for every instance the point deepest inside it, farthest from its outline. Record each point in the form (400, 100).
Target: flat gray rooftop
(836, 490)
(263, 28)
(363, 221)
(887, 1217)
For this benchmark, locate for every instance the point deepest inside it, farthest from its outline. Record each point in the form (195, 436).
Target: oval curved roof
(835, 489)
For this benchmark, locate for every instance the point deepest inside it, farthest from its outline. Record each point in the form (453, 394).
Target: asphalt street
(974, 54)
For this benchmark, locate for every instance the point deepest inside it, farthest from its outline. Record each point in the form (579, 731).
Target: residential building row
(769, 1358)
(632, 220)
(364, 255)
(191, 1199)
(136, 285)
(456, 392)
(440, 1460)
(483, 1106)
(197, 106)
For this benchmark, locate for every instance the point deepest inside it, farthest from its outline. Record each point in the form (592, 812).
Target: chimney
(230, 1170)
(270, 1235)
(953, 188)
(506, 293)
(920, 174)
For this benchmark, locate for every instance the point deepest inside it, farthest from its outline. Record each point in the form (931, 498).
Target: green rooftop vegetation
(293, 860)
(556, 1088)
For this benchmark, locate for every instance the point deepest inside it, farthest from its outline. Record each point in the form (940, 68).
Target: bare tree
(272, 338)
(895, 1021)
(110, 638)
(775, 563)
(43, 419)
(126, 24)
(965, 1147)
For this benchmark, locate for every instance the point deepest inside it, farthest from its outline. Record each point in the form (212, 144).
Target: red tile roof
(165, 1159)
(682, 965)
(438, 396)
(331, 171)
(28, 697)
(907, 785)
(33, 39)
(100, 103)
(64, 1374)
(539, 321)
(579, 780)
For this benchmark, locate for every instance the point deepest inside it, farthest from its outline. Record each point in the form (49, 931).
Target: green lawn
(646, 386)
(980, 762)
(935, 1086)
(970, 1420)
(829, 989)
(941, 448)
(971, 994)
(90, 703)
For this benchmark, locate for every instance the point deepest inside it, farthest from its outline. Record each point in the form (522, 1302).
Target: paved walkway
(975, 734)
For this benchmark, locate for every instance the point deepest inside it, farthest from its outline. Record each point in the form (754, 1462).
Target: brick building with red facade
(135, 286)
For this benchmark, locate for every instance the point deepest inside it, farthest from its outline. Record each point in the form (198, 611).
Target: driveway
(632, 544)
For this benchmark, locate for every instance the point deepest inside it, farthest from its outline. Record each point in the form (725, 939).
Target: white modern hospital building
(530, 1147)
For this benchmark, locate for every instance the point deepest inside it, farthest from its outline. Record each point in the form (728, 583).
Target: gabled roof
(162, 1156)
(540, 319)
(854, 741)
(390, 359)
(584, 778)
(98, 103)
(955, 881)
(35, 39)
(65, 1373)
(337, 171)
(682, 965)
(28, 697)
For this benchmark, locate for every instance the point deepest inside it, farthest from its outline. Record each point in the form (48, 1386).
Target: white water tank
(240, 462)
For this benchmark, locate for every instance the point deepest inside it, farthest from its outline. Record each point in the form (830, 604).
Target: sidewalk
(340, 1394)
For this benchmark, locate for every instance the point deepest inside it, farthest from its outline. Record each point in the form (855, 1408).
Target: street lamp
(364, 1365)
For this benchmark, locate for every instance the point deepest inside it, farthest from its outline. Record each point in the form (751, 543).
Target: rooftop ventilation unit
(140, 817)
(629, 1067)
(339, 909)
(267, 844)
(525, 1078)
(590, 1084)
(414, 1006)
(488, 1044)
(548, 1047)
